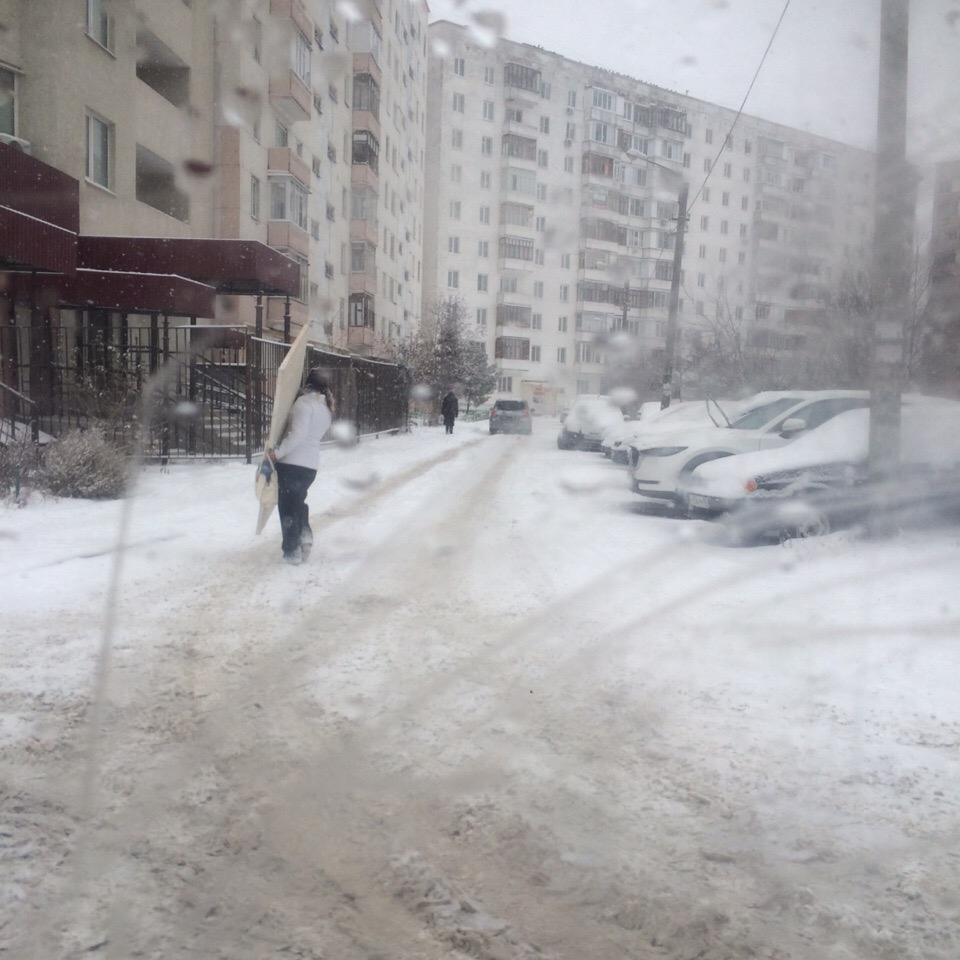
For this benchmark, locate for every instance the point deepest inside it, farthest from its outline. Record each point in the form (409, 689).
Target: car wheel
(562, 440)
(812, 524)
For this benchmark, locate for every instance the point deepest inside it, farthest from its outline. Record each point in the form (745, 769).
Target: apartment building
(554, 216)
(259, 121)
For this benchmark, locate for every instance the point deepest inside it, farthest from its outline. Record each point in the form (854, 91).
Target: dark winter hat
(317, 381)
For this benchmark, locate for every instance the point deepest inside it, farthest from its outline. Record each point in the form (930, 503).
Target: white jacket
(309, 421)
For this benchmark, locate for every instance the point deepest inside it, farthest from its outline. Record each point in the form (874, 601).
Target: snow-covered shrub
(83, 464)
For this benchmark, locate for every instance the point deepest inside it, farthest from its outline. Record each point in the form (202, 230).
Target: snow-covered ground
(501, 713)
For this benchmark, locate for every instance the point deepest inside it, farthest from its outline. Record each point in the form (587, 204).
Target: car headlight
(662, 451)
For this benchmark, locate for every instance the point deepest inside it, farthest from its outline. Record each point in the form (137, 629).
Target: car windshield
(512, 405)
(757, 418)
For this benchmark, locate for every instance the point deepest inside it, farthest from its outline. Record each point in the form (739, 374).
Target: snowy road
(499, 714)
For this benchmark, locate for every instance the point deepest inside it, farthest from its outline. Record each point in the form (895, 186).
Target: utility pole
(672, 317)
(893, 244)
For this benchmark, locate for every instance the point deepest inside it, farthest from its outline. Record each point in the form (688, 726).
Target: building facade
(259, 120)
(554, 216)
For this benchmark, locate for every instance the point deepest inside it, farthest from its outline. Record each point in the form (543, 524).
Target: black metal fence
(179, 391)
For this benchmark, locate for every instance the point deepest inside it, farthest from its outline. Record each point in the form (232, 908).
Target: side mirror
(793, 425)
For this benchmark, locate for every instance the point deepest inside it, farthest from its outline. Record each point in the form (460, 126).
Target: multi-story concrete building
(554, 215)
(257, 120)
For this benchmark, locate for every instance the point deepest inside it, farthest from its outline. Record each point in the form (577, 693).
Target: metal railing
(210, 389)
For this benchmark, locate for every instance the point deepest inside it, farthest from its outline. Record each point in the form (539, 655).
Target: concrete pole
(673, 316)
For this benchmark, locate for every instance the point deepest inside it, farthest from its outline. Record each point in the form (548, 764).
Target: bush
(18, 466)
(85, 465)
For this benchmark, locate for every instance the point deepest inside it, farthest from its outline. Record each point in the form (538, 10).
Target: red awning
(134, 292)
(28, 244)
(39, 214)
(230, 266)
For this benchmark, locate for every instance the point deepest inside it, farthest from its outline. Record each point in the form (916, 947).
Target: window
(603, 99)
(484, 214)
(538, 257)
(454, 209)
(725, 198)
(722, 255)
(564, 292)
(482, 282)
(706, 165)
(701, 279)
(544, 124)
(728, 170)
(565, 261)
(535, 354)
(744, 203)
(456, 139)
(288, 201)
(100, 23)
(743, 231)
(483, 248)
(505, 385)
(487, 109)
(458, 103)
(481, 316)
(568, 164)
(301, 57)
(257, 30)
(536, 321)
(538, 289)
(485, 180)
(255, 198)
(703, 251)
(456, 173)
(706, 194)
(486, 146)
(99, 151)
(453, 244)
(708, 136)
(512, 348)
(543, 158)
(489, 74)
(561, 354)
(562, 324)
(453, 278)
(704, 223)
(459, 66)
(746, 174)
(571, 98)
(545, 90)
(724, 226)
(508, 285)
(541, 224)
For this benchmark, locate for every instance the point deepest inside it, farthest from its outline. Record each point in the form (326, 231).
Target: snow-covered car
(822, 480)
(659, 463)
(584, 424)
(618, 433)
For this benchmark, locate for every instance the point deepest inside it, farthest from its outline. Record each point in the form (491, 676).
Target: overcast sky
(820, 74)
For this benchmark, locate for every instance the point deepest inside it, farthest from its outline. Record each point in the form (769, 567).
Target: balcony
(361, 338)
(283, 159)
(286, 236)
(290, 96)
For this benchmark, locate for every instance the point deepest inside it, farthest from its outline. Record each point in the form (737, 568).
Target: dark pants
(292, 486)
(448, 423)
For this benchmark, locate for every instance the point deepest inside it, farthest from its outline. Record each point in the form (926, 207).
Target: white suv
(659, 461)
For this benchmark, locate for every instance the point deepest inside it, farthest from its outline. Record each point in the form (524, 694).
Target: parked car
(589, 415)
(822, 480)
(510, 416)
(678, 415)
(658, 464)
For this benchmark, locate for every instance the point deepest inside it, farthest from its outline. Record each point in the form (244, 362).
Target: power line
(743, 103)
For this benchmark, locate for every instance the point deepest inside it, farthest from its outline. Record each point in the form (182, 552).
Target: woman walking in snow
(297, 459)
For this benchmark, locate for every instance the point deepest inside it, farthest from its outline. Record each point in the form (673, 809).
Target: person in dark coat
(450, 410)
